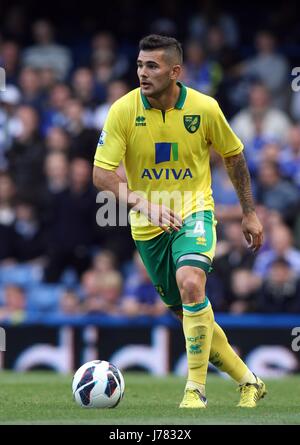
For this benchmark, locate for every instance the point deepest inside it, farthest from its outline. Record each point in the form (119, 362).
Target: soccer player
(163, 132)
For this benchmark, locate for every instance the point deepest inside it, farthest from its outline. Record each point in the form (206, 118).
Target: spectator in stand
(118, 240)
(165, 25)
(9, 58)
(53, 114)
(108, 64)
(9, 100)
(46, 53)
(115, 90)
(83, 86)
(69, 303)
(31, 88)
(56, 170)
(297, 230)
(289, 157)
(15, 22)
(235, 255)
(72, 231)
(261, 149)
(102, 292)
(199, 72)
(26, 155)
(260, 119)
(208, 13)
(281, 246)
(280, 290)
(268, 67)
(90, 284)
(105, 261)
(14, 305)
(7, 216)
(295, 104)
(58, 141)
(270, 153)
(244, 291)
(218, 49)
(276, 193)
(103, 73)
(7, 199)
(83, 140)
(47, 81)
(111, 291)
(29, 243)
(140, 296)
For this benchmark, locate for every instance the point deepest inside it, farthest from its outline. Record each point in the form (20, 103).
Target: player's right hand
(253, 231)
(161, 216)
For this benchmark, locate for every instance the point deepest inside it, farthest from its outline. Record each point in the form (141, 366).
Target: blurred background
(65, 65)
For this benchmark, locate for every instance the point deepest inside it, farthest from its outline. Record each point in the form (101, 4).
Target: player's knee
(191, 292)
(191, 283)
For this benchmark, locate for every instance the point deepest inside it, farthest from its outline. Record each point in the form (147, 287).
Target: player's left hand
(253, 231)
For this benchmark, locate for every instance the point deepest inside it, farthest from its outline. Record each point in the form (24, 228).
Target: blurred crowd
(54, 258)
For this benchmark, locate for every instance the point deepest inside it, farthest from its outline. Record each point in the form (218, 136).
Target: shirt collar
(179, 104)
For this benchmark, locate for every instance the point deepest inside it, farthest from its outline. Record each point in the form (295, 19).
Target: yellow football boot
(193, 399)
(251, 393)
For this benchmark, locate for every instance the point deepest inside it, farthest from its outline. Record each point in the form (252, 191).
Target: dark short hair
(156, 41)
(280, 261)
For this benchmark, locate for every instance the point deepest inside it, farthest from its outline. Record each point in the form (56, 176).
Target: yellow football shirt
(166, 154)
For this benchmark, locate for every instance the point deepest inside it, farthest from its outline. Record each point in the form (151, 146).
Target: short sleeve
(111, 146)
(222, 137)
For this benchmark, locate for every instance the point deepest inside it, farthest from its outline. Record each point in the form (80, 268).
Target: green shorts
(194, 245)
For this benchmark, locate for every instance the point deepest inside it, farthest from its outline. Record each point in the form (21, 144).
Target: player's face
(155, 72)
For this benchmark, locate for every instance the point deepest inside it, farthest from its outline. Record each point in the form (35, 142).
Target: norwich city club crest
(191, 122)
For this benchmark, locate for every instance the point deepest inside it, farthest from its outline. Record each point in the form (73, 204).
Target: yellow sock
(198, 322)
(225, 358)
(249, 377)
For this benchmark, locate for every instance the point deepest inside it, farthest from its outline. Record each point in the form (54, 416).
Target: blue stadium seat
(44, 297)
(69, 278)
(1, 295)
(24, 275)
(128, 269)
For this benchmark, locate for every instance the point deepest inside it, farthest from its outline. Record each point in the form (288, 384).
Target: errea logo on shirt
(140, 121)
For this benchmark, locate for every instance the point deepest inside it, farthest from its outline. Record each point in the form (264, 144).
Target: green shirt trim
(179, 104)
(182, 96)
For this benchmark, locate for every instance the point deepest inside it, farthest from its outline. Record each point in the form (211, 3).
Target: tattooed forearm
(239, 174)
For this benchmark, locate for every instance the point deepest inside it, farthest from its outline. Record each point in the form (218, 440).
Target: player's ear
(176, 71)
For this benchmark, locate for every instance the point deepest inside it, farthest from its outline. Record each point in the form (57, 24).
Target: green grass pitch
(45, 398)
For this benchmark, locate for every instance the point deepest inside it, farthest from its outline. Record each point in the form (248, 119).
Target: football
(98, 384)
